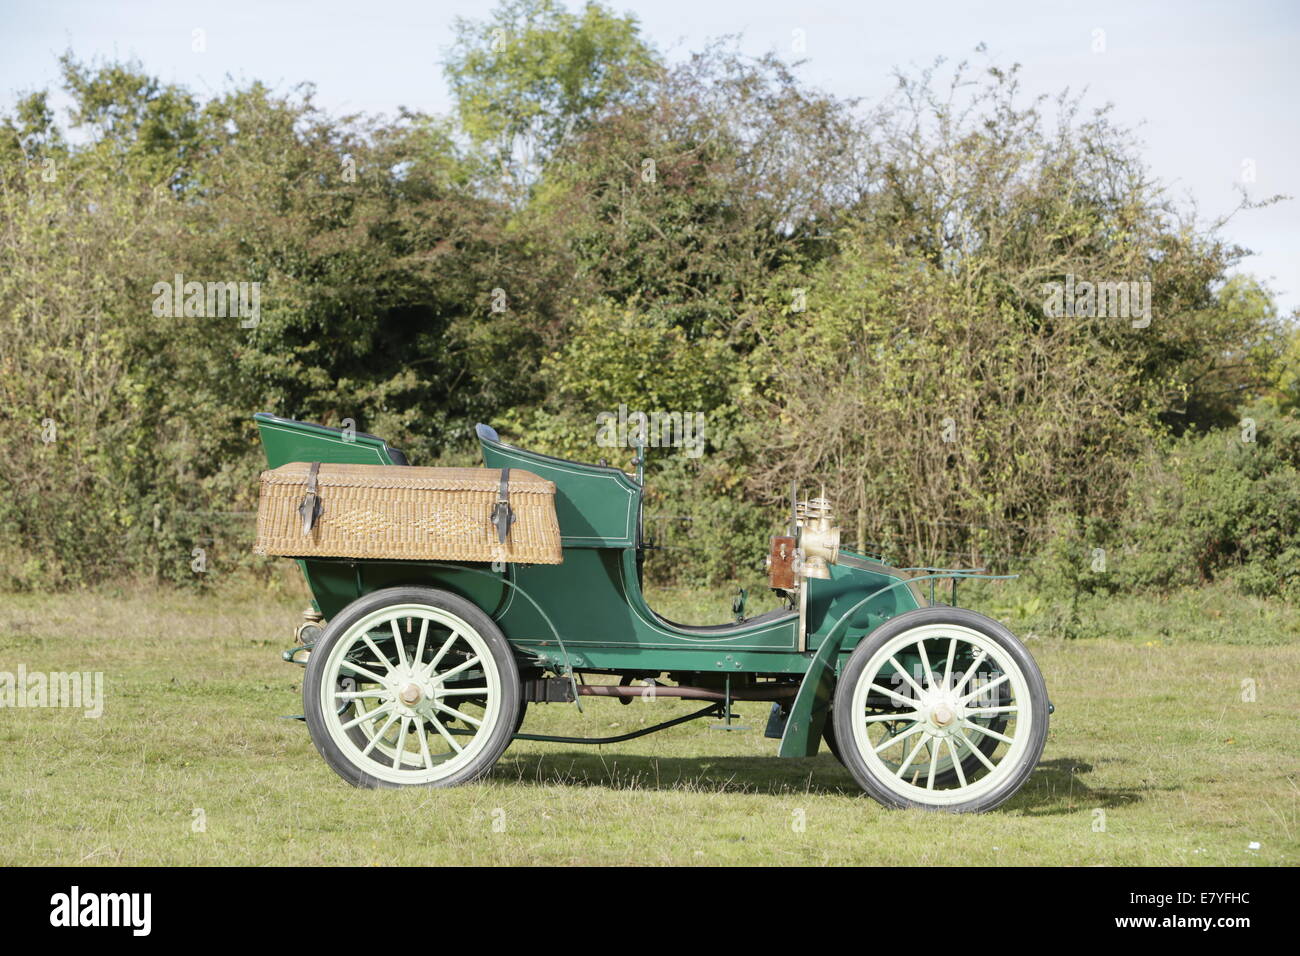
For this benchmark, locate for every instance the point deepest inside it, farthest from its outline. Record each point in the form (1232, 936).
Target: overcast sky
(1216, 85)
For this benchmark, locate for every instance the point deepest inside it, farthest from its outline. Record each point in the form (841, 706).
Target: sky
(1212, 87)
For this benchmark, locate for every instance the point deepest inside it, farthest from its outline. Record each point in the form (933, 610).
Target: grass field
(1153, 758)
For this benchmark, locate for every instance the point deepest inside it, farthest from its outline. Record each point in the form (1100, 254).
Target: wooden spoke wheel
(411, 687)
(960, 728)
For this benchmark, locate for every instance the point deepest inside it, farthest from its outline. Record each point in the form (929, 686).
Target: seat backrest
(597, 506)
(286, 440)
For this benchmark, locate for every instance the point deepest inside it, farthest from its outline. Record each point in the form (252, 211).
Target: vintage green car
(419, 672)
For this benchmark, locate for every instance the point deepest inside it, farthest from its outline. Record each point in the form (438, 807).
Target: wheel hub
(941, 714)
(411, 691)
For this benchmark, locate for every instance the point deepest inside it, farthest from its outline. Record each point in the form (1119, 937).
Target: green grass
(1150, 731)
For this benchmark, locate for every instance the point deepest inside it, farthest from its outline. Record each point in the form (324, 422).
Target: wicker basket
(407, 513)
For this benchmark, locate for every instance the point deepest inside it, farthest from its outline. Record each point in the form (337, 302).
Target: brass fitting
(819, 539)
(311, 628)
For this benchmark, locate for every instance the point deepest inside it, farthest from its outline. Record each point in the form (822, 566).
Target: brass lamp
(819, 539)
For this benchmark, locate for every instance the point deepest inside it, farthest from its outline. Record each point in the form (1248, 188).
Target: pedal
(727, 724)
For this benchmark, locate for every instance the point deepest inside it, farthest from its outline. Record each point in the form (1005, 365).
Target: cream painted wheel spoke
(368, 715)
(442, 652)
(399, 643)
(898, 668)
(979, 659)
(986, 688)
(947, 670)
(896, 695)
(464, 665)
(934, 763)
(461, 691)
(989, 733)
(379, 736)
(374, 649)
(419, 647)
(359, 694)
(445, 735)
(1009, 709)
(956, 761)
(983, 758)
(401, 743)
(890, 741)
(453, 712)
(875, 718)
(358, 669)
(925, 666)
(910, 757)
(424, 743)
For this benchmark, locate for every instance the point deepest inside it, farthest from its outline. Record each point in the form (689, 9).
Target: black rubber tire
(842, 706)
(502, 655)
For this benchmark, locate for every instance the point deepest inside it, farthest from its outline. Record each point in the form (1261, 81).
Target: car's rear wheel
(411, 686)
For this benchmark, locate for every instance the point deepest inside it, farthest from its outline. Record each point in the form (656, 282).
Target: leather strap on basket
(309, 508)
(502, 514)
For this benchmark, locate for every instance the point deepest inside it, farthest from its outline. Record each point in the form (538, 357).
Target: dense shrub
(848, 297)
(1225, 505)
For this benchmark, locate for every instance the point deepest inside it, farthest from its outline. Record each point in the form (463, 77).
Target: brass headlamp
(819, 539)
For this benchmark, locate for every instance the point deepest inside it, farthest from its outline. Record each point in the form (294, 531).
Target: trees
(532, 74)
(946, 403)
(688, 196)
(375, 262)
(860, 297)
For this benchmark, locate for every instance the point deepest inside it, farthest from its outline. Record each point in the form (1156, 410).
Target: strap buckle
(503, 516)
(310, 507)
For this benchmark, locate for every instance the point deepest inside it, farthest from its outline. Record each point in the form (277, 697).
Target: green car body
(588, 613)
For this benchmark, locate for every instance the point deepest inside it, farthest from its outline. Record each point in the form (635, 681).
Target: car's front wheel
(941, 708)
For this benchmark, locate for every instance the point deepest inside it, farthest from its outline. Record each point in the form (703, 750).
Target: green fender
(803, 728)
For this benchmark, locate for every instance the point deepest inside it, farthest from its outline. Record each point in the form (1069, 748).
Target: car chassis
(420, 672)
